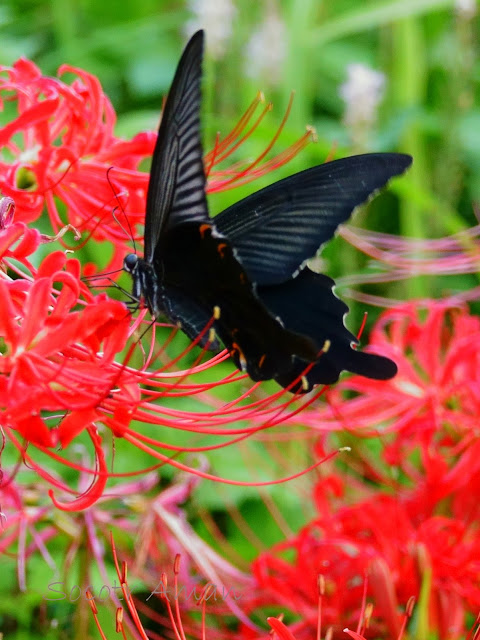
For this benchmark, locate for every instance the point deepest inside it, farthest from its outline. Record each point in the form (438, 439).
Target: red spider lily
(172, 620)
(34, 530)
(222, 179)
(427, 417)
(164, 531)
(134, 509)
(438, 561)
(434, 399)
(29, 525)
(61, 144)
(52, 361)
(284, 633)
(60, 376)
(396, 258)
(425, 541)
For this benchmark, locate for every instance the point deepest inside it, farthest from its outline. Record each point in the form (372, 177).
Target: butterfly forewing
(176, 191)
(277, 228)
(195, 272)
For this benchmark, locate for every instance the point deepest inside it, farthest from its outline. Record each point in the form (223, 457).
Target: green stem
(298, 67)
(408, 84)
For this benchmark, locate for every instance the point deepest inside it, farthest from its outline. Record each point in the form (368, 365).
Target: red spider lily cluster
(403, 553)
(173, 619)
(399, 527)
(59, 145)
(61, 375)
(407, 520)
(433, 402)
(71, 363)
(134, 508)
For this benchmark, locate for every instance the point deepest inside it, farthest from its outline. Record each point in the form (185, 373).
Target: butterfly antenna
(99, 276)
(133, 302)
(128, 232)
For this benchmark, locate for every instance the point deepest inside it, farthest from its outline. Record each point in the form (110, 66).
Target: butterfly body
(217, 287)
(246, 267)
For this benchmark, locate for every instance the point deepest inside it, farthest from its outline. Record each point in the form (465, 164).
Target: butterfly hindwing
(176, 191)
(200, 265)
(190, 318)
(307, 305)
(277, 228)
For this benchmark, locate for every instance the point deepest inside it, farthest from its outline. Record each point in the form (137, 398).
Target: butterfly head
(130, 262)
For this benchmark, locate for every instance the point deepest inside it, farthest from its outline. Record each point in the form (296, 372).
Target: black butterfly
(246, 267)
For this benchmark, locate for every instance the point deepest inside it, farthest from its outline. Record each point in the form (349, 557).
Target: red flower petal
(75, 423)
